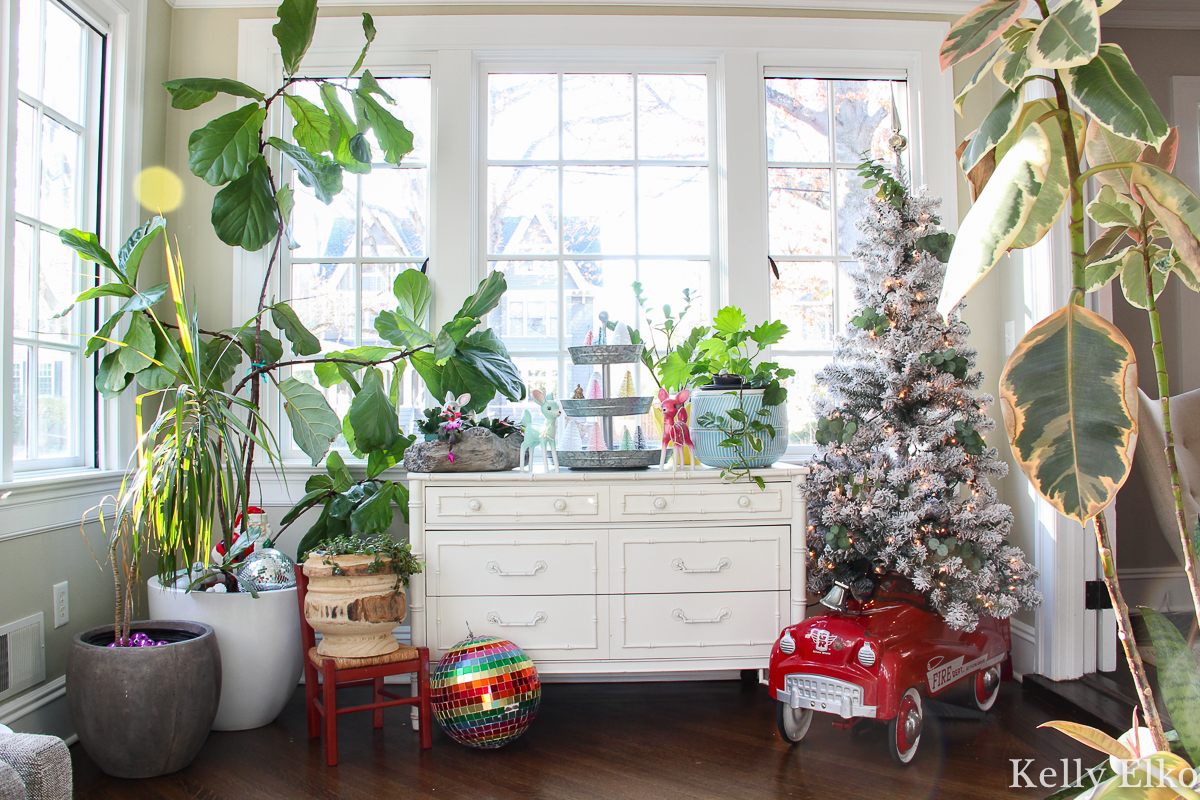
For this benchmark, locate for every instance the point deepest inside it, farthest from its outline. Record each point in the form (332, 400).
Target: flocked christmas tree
(900, 481)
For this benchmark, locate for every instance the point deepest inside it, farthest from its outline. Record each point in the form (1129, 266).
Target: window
(59, 83)
(594, 181)
(818, 132)
(350, 252)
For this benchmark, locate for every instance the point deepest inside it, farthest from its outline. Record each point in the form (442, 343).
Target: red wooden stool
(320, 702)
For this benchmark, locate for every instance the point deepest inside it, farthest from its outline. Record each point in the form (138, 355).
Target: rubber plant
(251, 211)
(1069, 390)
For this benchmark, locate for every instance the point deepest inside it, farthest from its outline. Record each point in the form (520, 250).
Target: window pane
(20, 389)
(57, 285)
(56, 395)
(323, 297)
(527, 317)
(848, 306)
(598, 210)
(853, 204)
(377, 295)
(523, 210)
(29, 48)
(537, 373)
(23, 280)
(801, 388)
(597, 117)
(673, 209)
(802, 297)
(64, 63)
(797, 120)
(863, 117)
(595, 286)
(26, 201)
(523, 116)
(673, 116)
(798, 214)
(324, 231)
(393, 213)
(60, 174)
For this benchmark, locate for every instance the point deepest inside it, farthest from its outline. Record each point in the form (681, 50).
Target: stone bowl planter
(479, 451)
(144, 711)
(353, 607)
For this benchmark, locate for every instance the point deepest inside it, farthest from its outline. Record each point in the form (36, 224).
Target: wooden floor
(616, 742)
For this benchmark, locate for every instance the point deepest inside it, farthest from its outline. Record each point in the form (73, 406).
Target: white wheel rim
(982, 699)
(909, 723)
(796, 721)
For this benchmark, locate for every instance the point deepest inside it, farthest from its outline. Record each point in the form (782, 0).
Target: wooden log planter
(354, 603)
(479, 451)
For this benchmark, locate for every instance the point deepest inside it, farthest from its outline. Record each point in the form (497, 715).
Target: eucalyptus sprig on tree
(1025, 166)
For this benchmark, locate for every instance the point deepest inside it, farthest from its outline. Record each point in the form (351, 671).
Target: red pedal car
(876, 659)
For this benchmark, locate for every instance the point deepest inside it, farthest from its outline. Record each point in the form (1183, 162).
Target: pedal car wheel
(987, 688)
(793, 722)
(904, 731)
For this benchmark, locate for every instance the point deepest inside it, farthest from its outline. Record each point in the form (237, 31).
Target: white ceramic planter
(260, 647)
(353, 608)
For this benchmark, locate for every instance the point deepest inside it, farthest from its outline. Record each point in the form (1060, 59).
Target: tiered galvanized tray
(607, 408)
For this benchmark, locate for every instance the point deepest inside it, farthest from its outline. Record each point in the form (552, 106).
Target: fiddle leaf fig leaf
(317, 172)
(1112, 93)
(111, 376)
(374, 515)
(368, 85)
(369, 34)
(395, 139)
(313, 129)
(373, 416)
(401, 331)
(245, 213)
(189, 93)
(412, 291)
(1069, 399)
(314, 423)
(270, 348)
(138, 352)
(360, 148)
(484, 351)
(487, 296)
(223, 150)
(294, 31)
(87, 245)
(1069, 37)
(304, 343)
(129, 257)
(344, 129)
(977, 29)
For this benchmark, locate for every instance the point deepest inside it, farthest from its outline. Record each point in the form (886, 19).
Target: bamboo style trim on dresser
(608, 573)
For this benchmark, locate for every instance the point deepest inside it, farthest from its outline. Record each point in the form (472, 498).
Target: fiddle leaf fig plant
(1069, 391)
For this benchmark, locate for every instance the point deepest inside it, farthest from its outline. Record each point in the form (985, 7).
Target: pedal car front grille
(801, 690)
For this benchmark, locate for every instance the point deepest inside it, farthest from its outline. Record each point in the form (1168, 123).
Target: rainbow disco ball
(486, 691)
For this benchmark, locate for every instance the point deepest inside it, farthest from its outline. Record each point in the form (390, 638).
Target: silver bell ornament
(268, 569)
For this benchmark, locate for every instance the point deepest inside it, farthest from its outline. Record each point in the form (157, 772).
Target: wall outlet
(62, 605)
(1010, 337)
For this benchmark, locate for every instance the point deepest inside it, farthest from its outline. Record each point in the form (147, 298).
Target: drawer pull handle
(660, 503)
(744, 501)
(721, 616)
(494, 618)
(560, 505)
(494, 568)
(724, 563)
(474, 505)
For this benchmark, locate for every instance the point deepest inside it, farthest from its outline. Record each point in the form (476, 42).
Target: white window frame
(36, 499)
(740, 50)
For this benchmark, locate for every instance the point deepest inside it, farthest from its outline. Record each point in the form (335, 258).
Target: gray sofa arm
(11, 785)
(43, 764)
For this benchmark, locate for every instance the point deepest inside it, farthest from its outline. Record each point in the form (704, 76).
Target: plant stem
(1125, 634)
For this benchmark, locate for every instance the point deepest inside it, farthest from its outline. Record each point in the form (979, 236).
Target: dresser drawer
(534, 503)
(472, 563)
(714, 624)
(560, 627)
(692, 502)
(667, 560)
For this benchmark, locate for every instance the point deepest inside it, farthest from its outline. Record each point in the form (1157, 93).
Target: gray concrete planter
(144, 711)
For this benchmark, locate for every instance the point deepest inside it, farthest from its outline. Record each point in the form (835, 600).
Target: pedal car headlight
(866, 655)
(786, 643)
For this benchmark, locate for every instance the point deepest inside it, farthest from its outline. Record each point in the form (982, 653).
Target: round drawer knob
(560, 505)
(744, 501)
(660, 503)
(474, 505)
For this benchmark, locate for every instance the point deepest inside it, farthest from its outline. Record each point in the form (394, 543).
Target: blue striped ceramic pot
(717, 402)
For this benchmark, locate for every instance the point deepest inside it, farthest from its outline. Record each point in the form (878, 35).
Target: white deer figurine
(543, 436)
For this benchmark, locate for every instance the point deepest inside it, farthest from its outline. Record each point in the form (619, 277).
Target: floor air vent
(22, 655)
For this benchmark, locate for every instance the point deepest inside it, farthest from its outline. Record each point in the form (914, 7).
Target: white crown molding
(955, 7)
(1158, 14)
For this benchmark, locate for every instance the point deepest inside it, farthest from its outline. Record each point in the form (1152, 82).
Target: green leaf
(729, 320)
(103, 290)
(304, 504)
(395, 139)
(675, 372)
(939, 245)
(219, 360)
(271, 349)
(1177, 208)
(369, 33)
(337, 470)
(1069, 399)
(166, 353)
(373, 416)
(972, 82)
(369, 85)
(317, 172)
(977, 29)
(450, 335)
(145, 298)
(1112, 93)
(487, 296)
(484, 351)
(87, 245)
(304, 343)
(100, 338)
(317, 534)
(413, 294)
(360, 148)
(401, 331)
(313, 129)
(374, 516)
(344, 129)
(139, 343)
(294, 31)
(380, 460)
(223, 149)
(314, 423)
(129, 257)
(1110, 208)
(768, 333)
(245, 213)
(998, 216)
(286, 201)
(111, 376)
(1055, 191)
(193, 92)
(1105, 147)
(1069, 37)
(1101, 272)
(1178, 680)
(457, 375)
(1133, 279)
(1015, 65)
(999, 121)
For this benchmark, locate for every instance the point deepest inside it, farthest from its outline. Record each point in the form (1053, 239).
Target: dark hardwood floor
(617, 742)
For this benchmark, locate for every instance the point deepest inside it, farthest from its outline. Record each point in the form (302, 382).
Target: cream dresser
(610, 572)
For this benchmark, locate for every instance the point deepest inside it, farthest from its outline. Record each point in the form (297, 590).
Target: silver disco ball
(268, 569)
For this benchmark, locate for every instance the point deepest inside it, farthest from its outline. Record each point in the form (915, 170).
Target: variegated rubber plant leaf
(978, 29)
(1069, 37)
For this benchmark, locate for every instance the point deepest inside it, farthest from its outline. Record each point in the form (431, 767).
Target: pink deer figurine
(675, 427)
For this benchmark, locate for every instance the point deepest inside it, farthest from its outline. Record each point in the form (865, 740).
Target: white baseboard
(1024, 647)
(1162, 588)
(41, 710)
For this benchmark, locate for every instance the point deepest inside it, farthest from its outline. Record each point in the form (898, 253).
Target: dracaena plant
(1069, 390)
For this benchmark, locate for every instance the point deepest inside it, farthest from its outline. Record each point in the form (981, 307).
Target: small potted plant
(455, 441)
(739, 416)
(356, 593)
